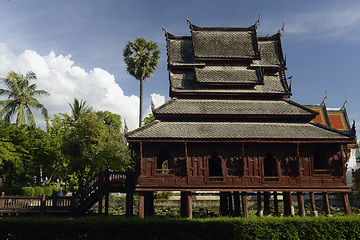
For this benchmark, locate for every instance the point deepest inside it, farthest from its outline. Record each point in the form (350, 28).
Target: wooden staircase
(100, 186)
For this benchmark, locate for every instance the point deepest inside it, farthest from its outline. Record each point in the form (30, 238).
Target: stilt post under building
(301, 204)
(313, 206)
(244, 204)
(106, 203)
(276, 204)
(326, 203)
(237, 210)
(141, 204)
(346, 203)
(259, 205)
(186, 204)
(149, 203)
(267, 210)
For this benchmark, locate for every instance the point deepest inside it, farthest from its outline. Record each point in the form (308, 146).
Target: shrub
(39, 191)
(48, 191)
(28, 191)
(12, 191)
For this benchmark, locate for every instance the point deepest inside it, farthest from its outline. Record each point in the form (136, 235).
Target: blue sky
(79, 43)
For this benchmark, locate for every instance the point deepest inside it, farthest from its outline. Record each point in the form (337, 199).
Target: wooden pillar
(301, 204)
(287, 204)
(237, 210)
(100, 204)
(276, 204)
(149, 203)
(259, 205)
(186, 204)
(267, 210)
(224, 209)
(346, 203)
(244, 204)
(106, 203)
(129, 203)
(230, 203)
(326, 204)
(312, 202)
(141, 204)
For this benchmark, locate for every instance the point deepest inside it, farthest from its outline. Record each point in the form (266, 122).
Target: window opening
(162, 164)
(270, 166)
(320, 161)
(215, 168)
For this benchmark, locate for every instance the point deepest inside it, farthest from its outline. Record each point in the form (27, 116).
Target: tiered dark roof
(229, 84)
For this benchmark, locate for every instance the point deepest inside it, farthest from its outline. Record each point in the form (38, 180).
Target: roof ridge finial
(343, 107)
(324, 100)
(152, 105)
(257, 23)
(281, 29)
(187, 19)
(166, 32)
(290, 82)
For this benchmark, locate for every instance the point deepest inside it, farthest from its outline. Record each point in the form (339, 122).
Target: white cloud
(63, 80)
(335, 22)
(157, 99)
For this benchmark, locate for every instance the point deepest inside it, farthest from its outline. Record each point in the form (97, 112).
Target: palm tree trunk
(141, 102)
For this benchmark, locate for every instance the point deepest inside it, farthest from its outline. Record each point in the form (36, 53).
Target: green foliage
(38, 191)
(164, 228)
(48, 191)
(21, 99)
(148, 119)
(28, 191)
(95, 143)
(141, 57)
(12, 191)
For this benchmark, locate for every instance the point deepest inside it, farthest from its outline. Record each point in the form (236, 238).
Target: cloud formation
(335, 22)
(65, 81)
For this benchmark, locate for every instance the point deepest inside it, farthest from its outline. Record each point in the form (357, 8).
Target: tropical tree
(78, 109)
(21, 93)
(141, 58)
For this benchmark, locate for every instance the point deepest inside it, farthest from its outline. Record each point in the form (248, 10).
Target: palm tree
(21, 99)
(141, 58)
(78, 109)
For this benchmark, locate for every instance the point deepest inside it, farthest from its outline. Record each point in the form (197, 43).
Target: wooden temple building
(230, 127)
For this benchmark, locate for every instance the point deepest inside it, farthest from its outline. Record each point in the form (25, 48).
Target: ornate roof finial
(324, 101)
(125, 127)
(285, 60)
(257, 22)
(290, 82)
(152, 105)
(282, 29)
(187, 19)
(343, 107)
(166, 32)
(353, 130)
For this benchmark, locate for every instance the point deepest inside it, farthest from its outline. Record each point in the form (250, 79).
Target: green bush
(48, 191)
(28, 191)
(12, 191)
(39, 191)
(164, 228)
